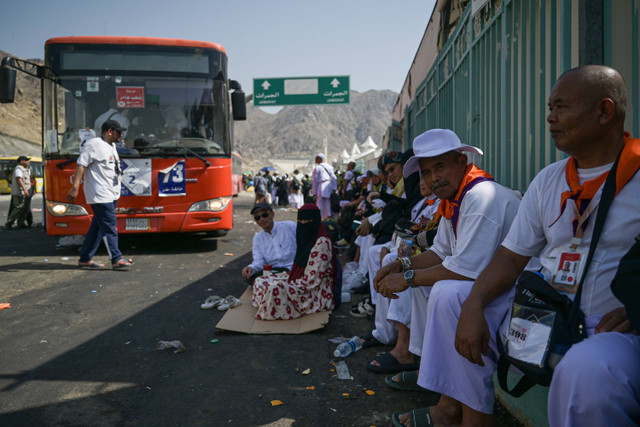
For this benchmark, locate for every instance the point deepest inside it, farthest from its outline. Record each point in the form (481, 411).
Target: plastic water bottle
(348, 347)
(408, 248)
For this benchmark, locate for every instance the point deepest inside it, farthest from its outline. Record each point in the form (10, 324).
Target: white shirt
(348, 178)
(277, 248)
(111, 114)
(101, 182)
(486, 213)
(533, 234)
(322, 180)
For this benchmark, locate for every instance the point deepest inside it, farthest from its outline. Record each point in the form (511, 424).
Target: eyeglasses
(262, 215)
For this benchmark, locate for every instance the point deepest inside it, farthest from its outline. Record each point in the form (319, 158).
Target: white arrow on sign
(266, 85)
(335, 83)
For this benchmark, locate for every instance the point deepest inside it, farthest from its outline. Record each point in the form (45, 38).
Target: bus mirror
(7, 84)
(238, 105)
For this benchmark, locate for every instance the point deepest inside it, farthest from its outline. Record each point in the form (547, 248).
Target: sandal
(417, 418)
(122, 264)
(90, 265)
(363, 309)
(388, 364)
(212, 302)
(368, 340)
(229, 302)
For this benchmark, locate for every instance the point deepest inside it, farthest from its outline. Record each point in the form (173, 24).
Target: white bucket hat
(433, 143)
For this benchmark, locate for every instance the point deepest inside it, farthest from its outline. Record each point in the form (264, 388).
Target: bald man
(597, 381)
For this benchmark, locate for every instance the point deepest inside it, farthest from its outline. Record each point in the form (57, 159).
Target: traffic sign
(301, 90)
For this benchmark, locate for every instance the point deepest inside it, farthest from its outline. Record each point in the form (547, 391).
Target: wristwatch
(408, 276)
(406, 264)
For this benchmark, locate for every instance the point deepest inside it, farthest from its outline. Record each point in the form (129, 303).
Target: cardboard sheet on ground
(243, 319)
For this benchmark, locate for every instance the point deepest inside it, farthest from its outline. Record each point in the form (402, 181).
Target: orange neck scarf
(628, 165)
(450, 209)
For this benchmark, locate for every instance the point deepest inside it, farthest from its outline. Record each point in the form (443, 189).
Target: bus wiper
(206, 162)
(65, 163)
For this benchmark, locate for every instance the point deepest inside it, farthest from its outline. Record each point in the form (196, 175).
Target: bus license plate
(137, 224)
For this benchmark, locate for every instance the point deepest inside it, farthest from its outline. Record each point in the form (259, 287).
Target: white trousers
(597, 382)
(373, 265)
(324, 204)
(365, 242)
(418, 318)
(442, 369)
(390, 312)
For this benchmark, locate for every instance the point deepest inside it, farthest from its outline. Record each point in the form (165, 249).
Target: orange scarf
(628, 165)
(446, 208)
(450, 208)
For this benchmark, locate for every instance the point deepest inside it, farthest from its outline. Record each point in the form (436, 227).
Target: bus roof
(149, 41)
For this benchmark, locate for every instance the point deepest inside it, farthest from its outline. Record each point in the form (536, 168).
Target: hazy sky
(373, 41)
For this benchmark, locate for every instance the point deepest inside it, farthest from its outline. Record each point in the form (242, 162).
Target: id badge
(568, 269)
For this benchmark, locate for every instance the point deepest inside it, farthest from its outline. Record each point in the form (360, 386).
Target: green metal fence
(491, 80)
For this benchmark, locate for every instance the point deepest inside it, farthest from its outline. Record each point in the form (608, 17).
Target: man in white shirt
(476, 215)
(274, 246)
(20, 194)
(597, 381)
(99, 164)
(324, 183)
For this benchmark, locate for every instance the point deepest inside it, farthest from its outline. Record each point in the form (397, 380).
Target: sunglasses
(262, 215)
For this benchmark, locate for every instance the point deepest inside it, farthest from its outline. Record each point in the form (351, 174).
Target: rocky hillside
(22, 118)
(299, 131)
(294, 132)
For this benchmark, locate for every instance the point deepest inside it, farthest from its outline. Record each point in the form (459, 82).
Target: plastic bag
(351, 276)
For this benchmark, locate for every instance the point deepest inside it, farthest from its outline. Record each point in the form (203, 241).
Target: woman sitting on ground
(308, 287)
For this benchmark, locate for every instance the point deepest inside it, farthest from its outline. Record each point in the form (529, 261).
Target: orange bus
(178, 105)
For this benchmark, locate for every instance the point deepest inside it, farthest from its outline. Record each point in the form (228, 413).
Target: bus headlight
(213, 205)
(65, 209)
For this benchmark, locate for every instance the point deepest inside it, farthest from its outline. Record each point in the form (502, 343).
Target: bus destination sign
(277, 91)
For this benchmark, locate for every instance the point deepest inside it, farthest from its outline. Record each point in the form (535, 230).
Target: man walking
(324, 183)
(99, 164)
(20, 194)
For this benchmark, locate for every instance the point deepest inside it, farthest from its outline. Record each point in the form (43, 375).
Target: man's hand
(72, 194)
(372, 195)
(472, 334)
(247, 272)
(391, 284)
(364, 228)
(394, 267)
(616, 321)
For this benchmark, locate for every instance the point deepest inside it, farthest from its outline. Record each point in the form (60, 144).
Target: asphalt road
(78, 347)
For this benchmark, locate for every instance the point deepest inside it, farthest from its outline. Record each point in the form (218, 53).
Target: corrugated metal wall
(491, 80)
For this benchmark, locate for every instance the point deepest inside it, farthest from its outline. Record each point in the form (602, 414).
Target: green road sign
(301, 90)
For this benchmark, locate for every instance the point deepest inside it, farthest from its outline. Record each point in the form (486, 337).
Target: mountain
(293, 132)
(299, 131)
(20, 122)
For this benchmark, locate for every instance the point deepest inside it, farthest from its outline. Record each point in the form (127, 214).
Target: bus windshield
(164, 116)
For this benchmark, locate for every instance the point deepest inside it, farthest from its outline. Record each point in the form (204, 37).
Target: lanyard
(580, 221)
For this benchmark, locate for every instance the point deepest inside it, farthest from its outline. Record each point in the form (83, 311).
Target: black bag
(335, 202)
(537, 303)
(626, 283)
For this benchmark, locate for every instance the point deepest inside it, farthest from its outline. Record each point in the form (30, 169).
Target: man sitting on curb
(597, 381)
(274, 245)
(393, 316)
(476, 215)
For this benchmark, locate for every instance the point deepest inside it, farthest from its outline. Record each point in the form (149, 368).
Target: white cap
(375, 171)
(433, 143)
(321, 156)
